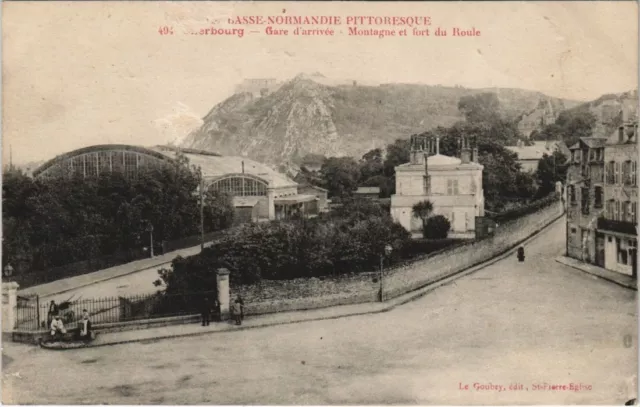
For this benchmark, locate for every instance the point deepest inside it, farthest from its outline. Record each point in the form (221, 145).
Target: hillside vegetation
(304, 116)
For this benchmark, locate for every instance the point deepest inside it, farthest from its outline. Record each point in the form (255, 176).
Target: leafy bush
(287, 250)
(525, 209)
(437, 227)
(54, 222)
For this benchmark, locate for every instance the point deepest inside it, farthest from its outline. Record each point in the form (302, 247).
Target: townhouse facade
(585, 199)
(602, 198)
(617, 227)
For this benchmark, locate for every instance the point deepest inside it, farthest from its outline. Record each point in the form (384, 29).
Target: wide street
(510, 323)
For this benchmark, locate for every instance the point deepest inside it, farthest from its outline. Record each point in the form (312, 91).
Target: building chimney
(465, 153)
(243, 166)
(621, 134)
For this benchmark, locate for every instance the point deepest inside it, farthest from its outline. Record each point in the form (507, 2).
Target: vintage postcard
(340, 203)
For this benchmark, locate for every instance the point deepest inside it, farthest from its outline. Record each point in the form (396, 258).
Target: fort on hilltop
(258, 86)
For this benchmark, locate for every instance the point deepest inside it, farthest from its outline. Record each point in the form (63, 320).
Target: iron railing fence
(32, 314)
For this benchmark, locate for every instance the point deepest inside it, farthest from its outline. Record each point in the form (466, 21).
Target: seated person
(57, 327)
(84, 326)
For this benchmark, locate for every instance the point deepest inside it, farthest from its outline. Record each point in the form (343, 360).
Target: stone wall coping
(223, 272)
(11, 285)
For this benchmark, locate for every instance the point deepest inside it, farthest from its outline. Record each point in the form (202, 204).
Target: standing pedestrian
(206, 311)
(237, 309)
(84, 331)
(53, 311)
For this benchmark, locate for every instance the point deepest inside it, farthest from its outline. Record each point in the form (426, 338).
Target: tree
(501, 169)
(526, 187)
(480, 108)
(551, 168)
(386, 184)
(422, 210)
(397, 153)
(340, 175)
(54, 222)
(570, 126)
(437, 227)
(312, 161)
(371, 164)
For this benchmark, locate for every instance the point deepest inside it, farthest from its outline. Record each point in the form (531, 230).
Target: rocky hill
(612, 110)
(310, 114)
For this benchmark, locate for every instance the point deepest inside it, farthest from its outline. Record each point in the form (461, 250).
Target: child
(57, 327)
(237, 311)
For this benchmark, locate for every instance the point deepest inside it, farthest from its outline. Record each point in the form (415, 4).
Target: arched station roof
(214, 166)
(99, 148)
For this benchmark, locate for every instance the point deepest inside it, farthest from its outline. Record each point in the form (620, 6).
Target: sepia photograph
(338, 203)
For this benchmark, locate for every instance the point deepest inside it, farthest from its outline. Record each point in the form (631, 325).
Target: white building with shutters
(452, 184)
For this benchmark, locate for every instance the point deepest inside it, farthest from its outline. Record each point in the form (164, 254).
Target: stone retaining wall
(308, 303)
(415, 275)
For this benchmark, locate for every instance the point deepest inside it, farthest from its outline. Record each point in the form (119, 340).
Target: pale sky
(83, 73)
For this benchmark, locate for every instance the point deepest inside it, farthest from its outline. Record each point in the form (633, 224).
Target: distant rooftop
(214, 165)
(368, 190)
(591, 142)
(534, 152)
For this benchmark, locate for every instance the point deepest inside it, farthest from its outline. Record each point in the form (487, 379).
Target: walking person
(205, 311)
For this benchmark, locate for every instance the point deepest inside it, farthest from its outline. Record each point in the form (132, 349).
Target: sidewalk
(616, 278)
(72, 283)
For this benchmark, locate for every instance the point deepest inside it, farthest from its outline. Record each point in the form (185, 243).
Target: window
(104, 162)
(577, 156)
(77, 165)
(616, 210)
(572, 194)
(617, 173)
(599, 197)
(573, 231)
(610, 173)
(240, 186)
(634, 211)
(609, 210)
(91, 165)
(584, 200)
(626, 173)
(622, 252)
(592, 155)
(634, 172)
(452, 187)
(130, 164)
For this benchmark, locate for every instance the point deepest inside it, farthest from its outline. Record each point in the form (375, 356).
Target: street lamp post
(387, 251)
(150, 230)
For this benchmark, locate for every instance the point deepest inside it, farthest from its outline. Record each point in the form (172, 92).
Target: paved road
(511, 323)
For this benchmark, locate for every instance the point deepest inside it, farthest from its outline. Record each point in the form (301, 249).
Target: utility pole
(150, 230)
(201, 213)
(381, 294)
